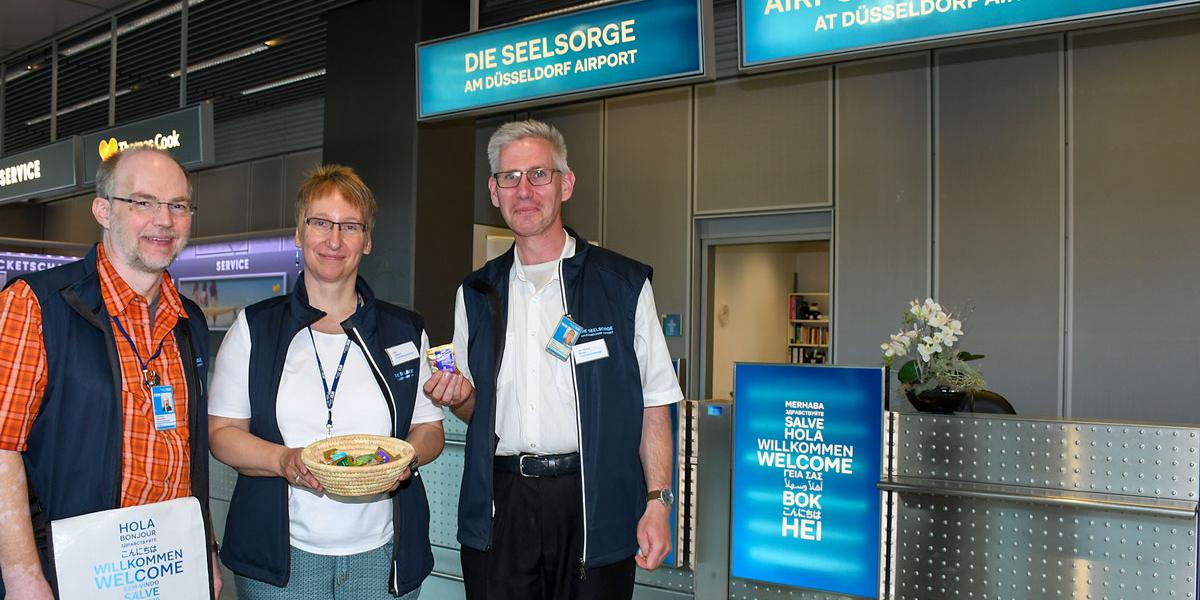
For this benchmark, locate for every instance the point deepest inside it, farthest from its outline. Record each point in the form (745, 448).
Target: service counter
(978, 506)
(1021, 508)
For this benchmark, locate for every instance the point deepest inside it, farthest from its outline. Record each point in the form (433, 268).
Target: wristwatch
(665, 495)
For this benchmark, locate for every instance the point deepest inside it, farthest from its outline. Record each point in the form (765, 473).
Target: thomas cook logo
(108, 148)
(163, 141)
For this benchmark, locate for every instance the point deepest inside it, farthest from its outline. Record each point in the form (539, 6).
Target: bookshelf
(808, 323)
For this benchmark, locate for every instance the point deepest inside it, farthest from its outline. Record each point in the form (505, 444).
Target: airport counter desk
(968, 506)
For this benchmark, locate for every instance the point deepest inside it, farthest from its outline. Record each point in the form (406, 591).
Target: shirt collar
(518, 270)
(118, 295)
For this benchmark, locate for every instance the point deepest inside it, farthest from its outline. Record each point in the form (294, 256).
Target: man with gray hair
(566, 386)
(103, 368)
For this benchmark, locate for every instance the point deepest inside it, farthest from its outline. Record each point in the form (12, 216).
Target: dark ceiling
(283, 40)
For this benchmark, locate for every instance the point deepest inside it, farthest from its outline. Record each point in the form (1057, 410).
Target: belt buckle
(521, 465)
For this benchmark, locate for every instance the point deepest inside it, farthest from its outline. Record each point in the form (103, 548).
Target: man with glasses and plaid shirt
(81, 346)
(567, 478)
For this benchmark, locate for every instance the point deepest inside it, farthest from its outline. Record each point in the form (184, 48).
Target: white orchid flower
(953, 327)
(914, 307)
(948, 338)
(933, 343)
(925, 351)
(931, 307)
(939, 320)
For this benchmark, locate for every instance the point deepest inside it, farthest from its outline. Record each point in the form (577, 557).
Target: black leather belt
(535, 465)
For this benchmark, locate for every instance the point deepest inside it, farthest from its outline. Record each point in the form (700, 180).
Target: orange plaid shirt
(155, 464)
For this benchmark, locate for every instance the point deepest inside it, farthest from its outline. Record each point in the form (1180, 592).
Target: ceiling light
(282, 82)
(78, 106)
(19, 73)
(224, 58)
(133, 25)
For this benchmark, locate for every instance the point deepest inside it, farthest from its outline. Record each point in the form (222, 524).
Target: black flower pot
(940, 400)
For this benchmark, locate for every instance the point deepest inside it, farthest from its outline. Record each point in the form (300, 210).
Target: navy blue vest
(73, 462)
(257, 539)
(602, 289)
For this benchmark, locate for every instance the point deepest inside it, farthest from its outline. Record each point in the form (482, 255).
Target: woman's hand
(293, 470)
(407, 473)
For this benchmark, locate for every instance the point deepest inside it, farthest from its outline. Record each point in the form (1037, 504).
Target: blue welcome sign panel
(782, 30)
(807, 442)
(631, 43)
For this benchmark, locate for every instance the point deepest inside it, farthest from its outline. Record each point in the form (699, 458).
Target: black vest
(257, 540)
(602, 289)
(73, 462)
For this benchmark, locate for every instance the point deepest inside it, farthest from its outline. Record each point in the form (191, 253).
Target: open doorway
(770, 303)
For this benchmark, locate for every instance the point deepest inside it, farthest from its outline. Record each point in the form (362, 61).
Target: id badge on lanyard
(566, 335)
(163, 397)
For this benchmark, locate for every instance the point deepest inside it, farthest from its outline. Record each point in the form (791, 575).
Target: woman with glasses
(326, 359)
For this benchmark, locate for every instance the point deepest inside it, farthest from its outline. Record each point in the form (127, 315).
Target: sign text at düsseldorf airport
(784, 30)
(39, 172)
(185, 133)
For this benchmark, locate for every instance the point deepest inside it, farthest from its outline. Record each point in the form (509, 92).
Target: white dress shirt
(535, 395)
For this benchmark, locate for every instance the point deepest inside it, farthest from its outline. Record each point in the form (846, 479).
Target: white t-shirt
(535, 395)
(320, 524)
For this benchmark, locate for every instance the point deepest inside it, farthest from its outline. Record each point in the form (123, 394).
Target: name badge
(402, 353)
(565, 336)
(163, 397)
(589, 351)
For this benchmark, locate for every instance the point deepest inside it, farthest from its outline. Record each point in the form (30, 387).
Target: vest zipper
(562, 286)
(395, 582)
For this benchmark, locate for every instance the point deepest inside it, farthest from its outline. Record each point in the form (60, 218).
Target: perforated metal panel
(1146, 461)
(1012, 509)
(679, 580)
(996, 550)
(442, 478)
(221, 479)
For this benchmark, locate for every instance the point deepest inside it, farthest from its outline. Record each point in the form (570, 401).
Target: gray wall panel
(223, 198)
(764, 142)
(71, 220)
(582, 128)
(999, 229)
(295, 168)
(485, 213)
(266, 194)
(1135, 151)
(881, 213)
(646, 192)
(21, 220)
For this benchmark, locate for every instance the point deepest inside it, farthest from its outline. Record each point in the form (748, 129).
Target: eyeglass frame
(147, 206)
(525, 175)
(336, 224)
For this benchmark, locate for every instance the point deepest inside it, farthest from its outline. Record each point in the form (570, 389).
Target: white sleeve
(424, 411)
(229, 394)
(660, 385)
(461, 335)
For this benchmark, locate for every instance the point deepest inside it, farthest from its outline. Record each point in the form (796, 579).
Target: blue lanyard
(330, 392)
(149, 376)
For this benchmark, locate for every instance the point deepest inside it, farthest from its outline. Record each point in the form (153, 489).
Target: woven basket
(357, 481)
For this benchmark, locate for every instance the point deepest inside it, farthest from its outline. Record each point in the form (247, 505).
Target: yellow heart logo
(108, 148)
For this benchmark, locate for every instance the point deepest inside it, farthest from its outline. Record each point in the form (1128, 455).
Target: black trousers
(537, 542)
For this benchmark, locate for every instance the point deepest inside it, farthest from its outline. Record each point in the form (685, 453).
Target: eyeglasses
(537, 176)
(326, 226)
(149, 205)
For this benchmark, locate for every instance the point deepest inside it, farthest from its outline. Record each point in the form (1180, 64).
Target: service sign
(628, 44)
(807, 442)
(186, 134)
(783, 30)
(39, 172)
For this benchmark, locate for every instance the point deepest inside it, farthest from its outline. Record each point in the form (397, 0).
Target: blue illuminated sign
(807, 442)
(781, 30)
(627, 44)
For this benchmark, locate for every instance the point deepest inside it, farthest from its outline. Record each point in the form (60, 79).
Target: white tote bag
(150, 551)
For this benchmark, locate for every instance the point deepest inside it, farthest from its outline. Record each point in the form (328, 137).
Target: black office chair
(986, 401)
